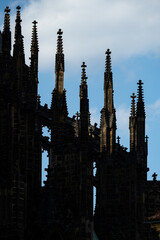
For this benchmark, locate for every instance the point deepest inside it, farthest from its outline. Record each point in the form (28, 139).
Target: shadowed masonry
(63, 208)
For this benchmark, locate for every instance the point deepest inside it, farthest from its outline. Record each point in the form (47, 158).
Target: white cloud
(90, 26)
(95, 116)
(122, 115)
(153, 110)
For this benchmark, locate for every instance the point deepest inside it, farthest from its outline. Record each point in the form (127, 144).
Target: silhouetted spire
(84, 105)
(108, 63)
(6, 35)
(83, 75)
(108, 84)
(6, 20)
(18, 45)
(59, 63)
(34, 42)
(133, 110)
(59, 54)
(108, 116)
(34, 53)
(83, 86)
(59, 42)
(140, 100)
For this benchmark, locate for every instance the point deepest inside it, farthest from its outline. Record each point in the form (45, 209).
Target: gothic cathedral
(62, 209)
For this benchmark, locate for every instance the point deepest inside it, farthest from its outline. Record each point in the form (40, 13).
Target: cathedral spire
(108, 84)
(6, 43)
(34, 52)
(140, 101)
(133, 110)
(108, 67)
(132, 124)
(7, 20)
(108, 116)
(140, 118)
(59, 42)
(18, 45)
(34, 42)
(83, 86)
(84, 105)
(59, 65)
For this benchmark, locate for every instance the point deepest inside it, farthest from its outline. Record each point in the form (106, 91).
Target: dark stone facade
(63, 207)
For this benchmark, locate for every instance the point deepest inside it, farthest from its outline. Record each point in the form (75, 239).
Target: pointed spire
(83, 86)
(34, 42)
(140, 101)
(34, 54)
(59, 42)
(108, 67)
(6, 34)
(59, 54)
(6, 20)
(83, 75)
(133, 96)
(140, 91)
(18, 46)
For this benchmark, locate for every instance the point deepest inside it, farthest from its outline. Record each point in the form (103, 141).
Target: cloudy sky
(130, 28)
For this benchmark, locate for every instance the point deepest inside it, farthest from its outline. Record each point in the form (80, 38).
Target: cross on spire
(18, 8)
(7, 10)
(147, 138)
(154, 176)
(35, 22)
(108, 62)
(60, 32)
(108, 52)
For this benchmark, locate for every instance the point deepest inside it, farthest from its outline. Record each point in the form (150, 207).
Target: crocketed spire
(34, 54)
(108, 67)
(59, 42)
(133, 110)
(83, 86)
(34, 42)
(18, 45)
(6, 20)
(59, 66)
(140, 99)
(83, 75)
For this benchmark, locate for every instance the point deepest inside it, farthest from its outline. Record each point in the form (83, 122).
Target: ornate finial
(108, 61)
(60, 32)
(154, 176)
(118, 139)
(108, 52)
(83, 76)
(133, 96)
(7, 10)
(18, 8)
(35, 23)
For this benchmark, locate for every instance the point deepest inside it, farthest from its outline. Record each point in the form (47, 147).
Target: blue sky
(129, 28)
